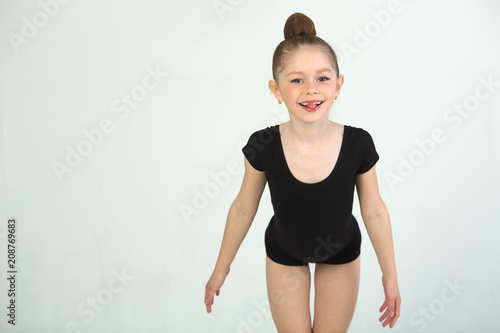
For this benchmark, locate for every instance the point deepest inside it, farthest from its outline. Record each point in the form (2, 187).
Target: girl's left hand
(392, 302)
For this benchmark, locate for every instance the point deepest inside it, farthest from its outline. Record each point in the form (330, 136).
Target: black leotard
(312, 222)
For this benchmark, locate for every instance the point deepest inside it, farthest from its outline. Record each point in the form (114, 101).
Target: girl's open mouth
(311, 106)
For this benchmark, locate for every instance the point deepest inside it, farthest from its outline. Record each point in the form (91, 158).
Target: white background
(119, 209)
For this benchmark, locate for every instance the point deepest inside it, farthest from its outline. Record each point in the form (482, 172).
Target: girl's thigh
(288, 289)
(336, 293)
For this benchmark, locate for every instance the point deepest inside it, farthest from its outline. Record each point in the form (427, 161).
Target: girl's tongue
(311, 106)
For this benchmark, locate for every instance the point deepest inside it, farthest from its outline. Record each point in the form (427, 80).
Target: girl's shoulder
(358, 131)
(256, 150)
(265, 135)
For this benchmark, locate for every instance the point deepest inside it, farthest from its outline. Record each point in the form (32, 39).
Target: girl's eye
(321, 79)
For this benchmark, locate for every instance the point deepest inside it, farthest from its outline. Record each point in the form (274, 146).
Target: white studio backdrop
(122, 124)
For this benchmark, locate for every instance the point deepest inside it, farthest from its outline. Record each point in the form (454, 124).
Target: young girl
(311, 165)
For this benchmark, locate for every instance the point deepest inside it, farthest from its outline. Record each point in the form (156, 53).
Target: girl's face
(308, 84)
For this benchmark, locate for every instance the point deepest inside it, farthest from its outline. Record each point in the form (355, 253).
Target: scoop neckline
(330, 175)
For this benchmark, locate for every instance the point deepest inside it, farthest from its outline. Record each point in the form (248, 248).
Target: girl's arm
(239, 219)
(378, 225)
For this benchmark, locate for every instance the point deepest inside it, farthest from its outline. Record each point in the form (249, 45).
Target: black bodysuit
(312, 222)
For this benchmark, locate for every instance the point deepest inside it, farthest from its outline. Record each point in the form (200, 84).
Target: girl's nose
(311, 87)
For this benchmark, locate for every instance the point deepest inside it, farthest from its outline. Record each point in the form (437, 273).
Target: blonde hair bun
(298, 24)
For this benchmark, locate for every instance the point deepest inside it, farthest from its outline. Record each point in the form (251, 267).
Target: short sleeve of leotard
(253, 151)
(369, 155)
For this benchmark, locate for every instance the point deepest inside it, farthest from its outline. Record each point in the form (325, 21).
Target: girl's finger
(398, 306)
(207, 295)
(383, 306)
(388, 317)
(208, 302)
(387, 321)
(397, 312)
(383, 316)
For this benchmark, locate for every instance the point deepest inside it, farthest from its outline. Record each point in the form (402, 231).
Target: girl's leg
(336, 293)
(288, 289)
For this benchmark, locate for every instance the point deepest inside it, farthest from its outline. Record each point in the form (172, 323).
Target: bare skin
(288, 289)
(311, 163)
(239, 220)
(311, 143)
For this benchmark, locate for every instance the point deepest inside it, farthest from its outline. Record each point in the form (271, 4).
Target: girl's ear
(340, 83)
(273, 86)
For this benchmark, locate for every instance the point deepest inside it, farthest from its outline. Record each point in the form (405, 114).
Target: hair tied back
(298, 24)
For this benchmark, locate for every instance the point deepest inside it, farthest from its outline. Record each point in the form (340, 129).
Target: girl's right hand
(213, 287)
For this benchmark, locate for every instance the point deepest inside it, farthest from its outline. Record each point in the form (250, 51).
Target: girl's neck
(310, 133)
